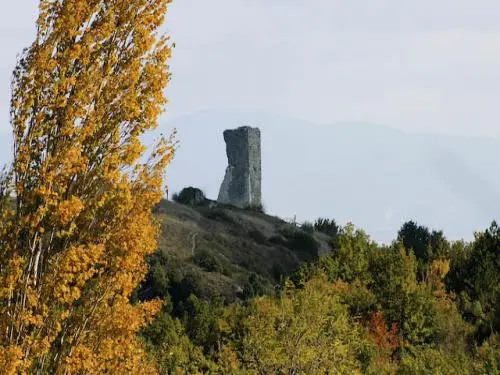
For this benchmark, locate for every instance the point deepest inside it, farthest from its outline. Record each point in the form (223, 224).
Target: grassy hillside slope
(211, 250)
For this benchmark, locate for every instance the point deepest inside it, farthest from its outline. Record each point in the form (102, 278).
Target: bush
(200, 319)
(208, 262)
(254, 287)
(304, 243)
(327, 226)
(157, 281)
(173, 352)
(307, 227)
(489, 354)
(191, 283)
(190, 196)
(278, 272)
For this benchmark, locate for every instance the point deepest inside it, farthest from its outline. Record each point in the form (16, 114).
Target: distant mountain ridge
(374, 176)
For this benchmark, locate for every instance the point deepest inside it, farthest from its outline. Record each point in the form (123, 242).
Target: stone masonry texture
(242, 183)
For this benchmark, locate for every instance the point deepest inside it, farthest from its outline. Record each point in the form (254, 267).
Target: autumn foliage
(385, 339)
(74, 237)
(76, 228)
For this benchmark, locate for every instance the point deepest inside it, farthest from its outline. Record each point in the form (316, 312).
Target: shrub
(304, 243)
(254, 287)
(167, 343)
(278, 272)
(190, 196)
(208, 262)
(307, 227)
(489, 355)
(200, 319)
(327, 226)
(191, 283)
(157, 280)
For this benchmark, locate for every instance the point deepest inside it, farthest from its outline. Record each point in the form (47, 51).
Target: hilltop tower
(242, 183)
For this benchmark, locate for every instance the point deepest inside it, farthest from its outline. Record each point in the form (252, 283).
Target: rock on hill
(213, 249)
(373, 176)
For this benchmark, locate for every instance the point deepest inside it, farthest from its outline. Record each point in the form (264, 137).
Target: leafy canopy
(72, 246)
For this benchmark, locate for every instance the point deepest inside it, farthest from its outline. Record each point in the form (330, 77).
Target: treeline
(423, 305)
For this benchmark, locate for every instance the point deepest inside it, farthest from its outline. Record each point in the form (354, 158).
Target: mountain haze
(373, 176)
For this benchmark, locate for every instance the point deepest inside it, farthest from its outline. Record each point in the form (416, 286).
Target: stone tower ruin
(242, 183)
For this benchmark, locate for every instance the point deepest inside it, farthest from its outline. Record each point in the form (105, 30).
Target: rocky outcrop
(242, 183)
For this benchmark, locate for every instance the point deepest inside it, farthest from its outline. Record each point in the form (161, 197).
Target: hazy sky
(426, 65)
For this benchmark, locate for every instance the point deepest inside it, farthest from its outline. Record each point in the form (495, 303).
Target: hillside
(430, 310)
(210, 249)
(374, 176)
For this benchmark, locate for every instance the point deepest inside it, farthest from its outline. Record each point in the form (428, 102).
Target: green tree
(425, 244)
(200, 319)
(489, 357)
(171, 349)
(305, 331)
(352, 258)
(425, 360)
(476, 280)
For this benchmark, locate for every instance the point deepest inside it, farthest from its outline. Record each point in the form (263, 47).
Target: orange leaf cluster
(383, 338)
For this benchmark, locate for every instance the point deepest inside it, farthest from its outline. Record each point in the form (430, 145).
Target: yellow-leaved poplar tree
(77, 224)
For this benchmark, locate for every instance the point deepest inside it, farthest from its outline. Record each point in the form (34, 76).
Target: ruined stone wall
(242, 183)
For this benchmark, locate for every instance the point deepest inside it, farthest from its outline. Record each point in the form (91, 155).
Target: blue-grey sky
(426, 65)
